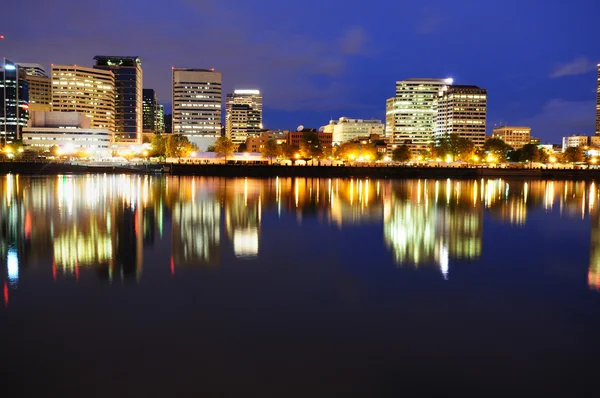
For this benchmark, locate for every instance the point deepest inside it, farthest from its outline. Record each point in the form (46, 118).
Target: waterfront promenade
(266, 171)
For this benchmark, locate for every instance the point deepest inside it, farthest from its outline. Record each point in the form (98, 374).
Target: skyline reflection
(65, 225)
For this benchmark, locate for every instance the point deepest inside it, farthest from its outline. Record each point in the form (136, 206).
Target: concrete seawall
(39, 168)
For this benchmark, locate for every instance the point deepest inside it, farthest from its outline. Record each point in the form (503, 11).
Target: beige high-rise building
(515, 136)
(85, 90)
(410, 115)
(40, 93)
(462, 110)
(243, 115)
(197, 105)
(598, 103)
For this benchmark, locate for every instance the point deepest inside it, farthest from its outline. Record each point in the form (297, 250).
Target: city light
(9, 67)
(552, 159)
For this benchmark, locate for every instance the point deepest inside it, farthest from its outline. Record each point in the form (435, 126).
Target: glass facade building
(129, 95)
(14, 102)
(149, 106)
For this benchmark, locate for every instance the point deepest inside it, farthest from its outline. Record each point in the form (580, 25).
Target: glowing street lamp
(297, 156)
(552, 159)
(594, 160)
(476, 158)
(352, 157)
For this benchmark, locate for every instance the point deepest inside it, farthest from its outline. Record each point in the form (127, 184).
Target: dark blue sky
(316, 59)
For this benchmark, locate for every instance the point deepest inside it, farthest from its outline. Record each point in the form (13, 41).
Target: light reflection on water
(70, 223)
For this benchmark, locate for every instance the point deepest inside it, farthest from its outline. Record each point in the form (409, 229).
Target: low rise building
(515, 136)
(256, 144)
(346, 129)
(294, 138)
(574, 140)
(70, 131)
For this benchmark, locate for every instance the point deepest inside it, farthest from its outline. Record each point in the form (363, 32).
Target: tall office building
(197, 105)
(149, 108)
(160, 119)
(14, 102)
(33, 69)
(598, 104)
(129, 95)
(243, 115)
(410, 115)
(85, 90)
(462, 110)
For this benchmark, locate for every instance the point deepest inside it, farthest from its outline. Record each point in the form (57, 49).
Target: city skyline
(537, 75)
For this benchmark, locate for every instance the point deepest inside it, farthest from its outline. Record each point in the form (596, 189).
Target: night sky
(315, 59)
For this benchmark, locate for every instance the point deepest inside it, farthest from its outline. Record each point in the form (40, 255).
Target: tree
(455, 147)
(178, 145)
(401, 154)
(356, 151)
(242, 147)
(271, 150)
(224, 147)
(158, 144)
(310, 146)
(289, 151)
(497, 148)
(573, 154)
(210, 148)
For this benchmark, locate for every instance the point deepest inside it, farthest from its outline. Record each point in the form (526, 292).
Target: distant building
(197, 105)
(70, 131)
(598, 103)
(243, 115)
(411, 115)
(574, 140)
(129, 98)
(14, 102)
(40, 93)
(160, 119)
(534, 141)
(346, 129)
(462, 110)
(149, 108)
(516, 137)
(33, 69)
(256, 143)
(85, 90)
(168, 123)
(294, 138)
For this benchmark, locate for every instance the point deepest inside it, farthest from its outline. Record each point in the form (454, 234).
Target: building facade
(14, 102)
(346, 129)
(515, 136)
(598, 103)
(129, 98)
(243, 115)
(160, 119)
(149, 107)
(85, 90)
(294, 138)
(410, 115)
(196, 105)
(462, 110)
(40, 93)
(33, 69)
(70, 131)
(574, 140)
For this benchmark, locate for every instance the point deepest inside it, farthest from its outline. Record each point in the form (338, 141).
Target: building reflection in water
(68, 224)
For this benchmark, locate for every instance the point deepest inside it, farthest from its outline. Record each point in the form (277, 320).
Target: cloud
(578, 66)
(353, 41)
(560, 118)
(431, 21)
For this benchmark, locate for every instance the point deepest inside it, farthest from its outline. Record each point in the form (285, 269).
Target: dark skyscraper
(129, 97)
(14, 101)
(150, 107)
(598, 103)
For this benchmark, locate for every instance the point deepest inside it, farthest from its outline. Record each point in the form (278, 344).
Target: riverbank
(263, 171)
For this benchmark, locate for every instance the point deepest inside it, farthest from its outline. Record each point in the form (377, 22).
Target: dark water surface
(122, 286)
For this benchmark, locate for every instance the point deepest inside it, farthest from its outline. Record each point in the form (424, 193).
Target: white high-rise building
(243, 115)
(85, 90)
(197, 105)
(346, 129)
(410, 115)
(462, 110)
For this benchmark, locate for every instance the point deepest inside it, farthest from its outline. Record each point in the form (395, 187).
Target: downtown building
(85, 90)
(128, 95)
(462, 110)
(598, 103)
(243, 115)
(40, 87)
(14, 102)
(196, 103)
(411, 114)
(153, 121)
(346, 129)
(515, 136)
